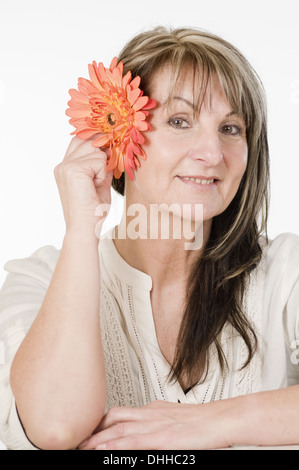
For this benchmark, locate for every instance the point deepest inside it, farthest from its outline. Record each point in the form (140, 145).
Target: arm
(261, 419)
(57, 375)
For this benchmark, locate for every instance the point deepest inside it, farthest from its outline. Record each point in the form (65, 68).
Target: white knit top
(135, 367)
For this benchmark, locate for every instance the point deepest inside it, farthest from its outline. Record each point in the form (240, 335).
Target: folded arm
(261, 419)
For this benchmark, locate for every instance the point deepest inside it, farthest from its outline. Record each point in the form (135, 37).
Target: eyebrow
(231, 113)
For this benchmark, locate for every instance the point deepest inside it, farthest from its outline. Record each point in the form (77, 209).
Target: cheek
(161, 148)
(150, 178)
(243, 162)
(237, 162)
(161, 157)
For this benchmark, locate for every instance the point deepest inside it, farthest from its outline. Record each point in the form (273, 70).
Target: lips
(198, 180)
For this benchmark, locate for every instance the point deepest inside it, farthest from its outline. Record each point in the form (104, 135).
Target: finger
(147, 412)
(122, 414)
(73, 145)
(94, 167)
(99, 157)
(83, 148)
(114, 432)
(140, 441)
(119, 431)
(104, 182)
(119, 415)
(84, 161)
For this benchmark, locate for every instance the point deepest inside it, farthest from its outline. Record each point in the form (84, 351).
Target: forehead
(163, 83)
(193, 87)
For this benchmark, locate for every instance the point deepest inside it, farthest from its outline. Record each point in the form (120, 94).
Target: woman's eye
(231, 129)
(178, 123)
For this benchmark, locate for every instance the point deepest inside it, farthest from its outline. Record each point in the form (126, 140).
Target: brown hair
(216, 283)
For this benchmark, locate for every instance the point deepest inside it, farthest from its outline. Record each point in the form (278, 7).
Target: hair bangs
(205, 67)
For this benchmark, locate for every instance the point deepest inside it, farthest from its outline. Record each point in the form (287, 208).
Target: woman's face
(191, 159)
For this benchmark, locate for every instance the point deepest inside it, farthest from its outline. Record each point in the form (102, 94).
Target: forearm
(264, 419)
(58, 376)
(261, 419)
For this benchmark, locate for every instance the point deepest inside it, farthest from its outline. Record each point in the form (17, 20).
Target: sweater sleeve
(21, 297)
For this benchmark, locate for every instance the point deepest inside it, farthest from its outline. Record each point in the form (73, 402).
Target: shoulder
(281, 264)
(39, 265)
(283, 244)
(282, 251)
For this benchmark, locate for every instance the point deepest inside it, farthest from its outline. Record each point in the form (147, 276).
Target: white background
(46, 45)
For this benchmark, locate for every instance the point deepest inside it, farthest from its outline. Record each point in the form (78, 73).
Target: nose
(206, 147)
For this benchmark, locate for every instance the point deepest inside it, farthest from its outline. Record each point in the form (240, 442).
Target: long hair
(216, 283)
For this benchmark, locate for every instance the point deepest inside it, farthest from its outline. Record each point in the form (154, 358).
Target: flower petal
(113, 63)
(138, 150)
(128, 169)
(127, 79)
(117, 173)
(77, 96)
(150, 104)
(140, 103)
(137, 162)
(142, 125)
(133, 95)
(102, 73)
(140, 116)
(86, 86)
(136, 136)
(101, 141)
(78, 113)
(95, 76)
(136, 82)
(111, 164)
(87, 133)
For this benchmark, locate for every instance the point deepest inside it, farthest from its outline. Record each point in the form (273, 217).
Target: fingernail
(101, 447)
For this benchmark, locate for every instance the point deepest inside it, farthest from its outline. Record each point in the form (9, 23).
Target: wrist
(242, 415)
(82, 236)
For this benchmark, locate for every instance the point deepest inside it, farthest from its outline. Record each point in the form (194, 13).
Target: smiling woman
(128, 342)
(210, 124)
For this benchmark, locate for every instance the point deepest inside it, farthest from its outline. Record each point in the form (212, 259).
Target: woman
(192, 348)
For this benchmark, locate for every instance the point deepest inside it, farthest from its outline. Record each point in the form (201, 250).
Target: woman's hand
(83, 184)
(162, 425)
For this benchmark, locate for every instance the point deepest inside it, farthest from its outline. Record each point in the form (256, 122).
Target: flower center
(111, 119)
(112, 111)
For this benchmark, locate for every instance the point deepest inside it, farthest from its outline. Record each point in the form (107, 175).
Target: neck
(166, 250)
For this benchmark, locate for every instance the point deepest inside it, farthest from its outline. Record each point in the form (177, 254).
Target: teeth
(197, 180)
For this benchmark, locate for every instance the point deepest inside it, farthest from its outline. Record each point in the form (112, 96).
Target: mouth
(200, 181)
